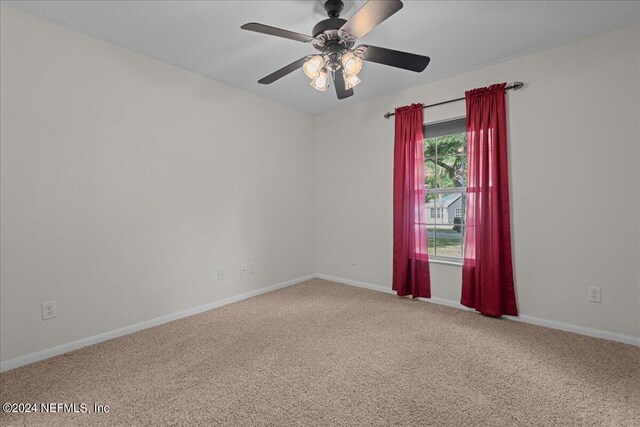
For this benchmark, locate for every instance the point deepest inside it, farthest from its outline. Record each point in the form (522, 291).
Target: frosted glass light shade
(351, 64)
(313, 67)
(350, 82)
(320, 83)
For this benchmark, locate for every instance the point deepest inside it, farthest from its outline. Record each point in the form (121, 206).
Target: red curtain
(410, 260)
(487, 272)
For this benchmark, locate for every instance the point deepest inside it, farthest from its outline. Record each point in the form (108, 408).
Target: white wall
(574, 153)
(127, 182)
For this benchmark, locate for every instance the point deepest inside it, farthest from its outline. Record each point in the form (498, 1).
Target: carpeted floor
(320, 353)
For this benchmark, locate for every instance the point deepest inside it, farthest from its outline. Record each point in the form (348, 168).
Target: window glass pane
(430, 173)
(428, 198)
(452, 145)
(445, 161)
(447, 242)
(452, 171)
(442, 207)
(445, 168)
(431, 236)
(445, 223)
(463, 169)
(429, 147)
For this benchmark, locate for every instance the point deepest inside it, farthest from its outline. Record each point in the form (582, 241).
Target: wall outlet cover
(49, 310)
(595, 294)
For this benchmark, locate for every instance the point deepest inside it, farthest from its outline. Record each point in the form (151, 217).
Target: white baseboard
(84, 342)
(596, 333)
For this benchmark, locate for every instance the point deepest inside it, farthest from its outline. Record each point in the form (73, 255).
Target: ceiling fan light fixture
(338, 57)
(351, 64)
(313, 66)
(351, 82)
(320, 83)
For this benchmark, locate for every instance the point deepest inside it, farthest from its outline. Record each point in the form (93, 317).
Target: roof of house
(445, 201)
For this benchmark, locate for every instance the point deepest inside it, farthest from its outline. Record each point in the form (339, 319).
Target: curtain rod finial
(387, 115)
(517, 85)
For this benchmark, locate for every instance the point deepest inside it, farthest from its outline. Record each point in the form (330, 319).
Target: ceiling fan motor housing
(327, 25)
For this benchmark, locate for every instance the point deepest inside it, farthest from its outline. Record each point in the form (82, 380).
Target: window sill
(453, 261)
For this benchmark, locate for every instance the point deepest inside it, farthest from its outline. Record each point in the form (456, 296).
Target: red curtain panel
(410, 260)
(487, 272)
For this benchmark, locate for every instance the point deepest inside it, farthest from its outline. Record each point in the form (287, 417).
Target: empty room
(320, 213)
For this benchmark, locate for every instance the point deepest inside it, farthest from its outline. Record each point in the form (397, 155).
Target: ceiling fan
(335, 38)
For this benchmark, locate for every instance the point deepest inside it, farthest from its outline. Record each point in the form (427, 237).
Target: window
(445, 180)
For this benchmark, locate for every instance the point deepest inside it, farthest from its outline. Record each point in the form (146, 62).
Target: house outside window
(445, 166)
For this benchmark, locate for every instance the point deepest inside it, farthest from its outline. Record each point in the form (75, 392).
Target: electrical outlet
(252, 267)
(595, 294)
(354, 260)
(49, 310)
(243, 269)
(221, 274)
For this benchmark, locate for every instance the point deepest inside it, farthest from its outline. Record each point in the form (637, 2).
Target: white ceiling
(205, 37)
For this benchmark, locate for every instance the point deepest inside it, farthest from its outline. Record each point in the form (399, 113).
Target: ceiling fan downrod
(333, 8)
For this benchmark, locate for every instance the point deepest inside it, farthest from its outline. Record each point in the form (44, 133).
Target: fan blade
(371, 14)
(338, 82)
(395, 58)
(283, 71)
(278, 32)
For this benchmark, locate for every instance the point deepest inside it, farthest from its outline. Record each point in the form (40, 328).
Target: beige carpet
(321, 353)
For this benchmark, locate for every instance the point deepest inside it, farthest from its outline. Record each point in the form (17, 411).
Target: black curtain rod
(514, 86)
